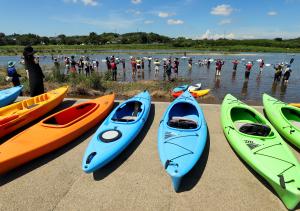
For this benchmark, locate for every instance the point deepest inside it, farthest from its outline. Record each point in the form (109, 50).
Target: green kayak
(285, 118)
(256, 141)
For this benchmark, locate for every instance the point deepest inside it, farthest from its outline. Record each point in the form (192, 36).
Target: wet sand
(136, 180)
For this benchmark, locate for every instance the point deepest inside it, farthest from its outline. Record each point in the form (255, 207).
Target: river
(228, 82)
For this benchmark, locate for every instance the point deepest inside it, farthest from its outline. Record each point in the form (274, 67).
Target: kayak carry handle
(167, 164)
(90, 157)
(281, 180)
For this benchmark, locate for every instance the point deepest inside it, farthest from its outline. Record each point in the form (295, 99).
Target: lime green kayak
(256, 141)
(285, 118)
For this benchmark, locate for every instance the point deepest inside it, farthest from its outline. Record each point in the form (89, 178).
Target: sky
(196, 19)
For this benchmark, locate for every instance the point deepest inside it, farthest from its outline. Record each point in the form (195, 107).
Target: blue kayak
(117, 131)
(181, 88)
(8, 96)
(181, 137)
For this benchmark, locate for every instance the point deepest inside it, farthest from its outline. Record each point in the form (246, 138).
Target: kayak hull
(195, 94)
(295, 105)
(268, 155)
(8, 96)
(15, 116)
(181, 88)
(285, 118)
(195, 87)
(61, 128)
(115, 134)
(180, 148)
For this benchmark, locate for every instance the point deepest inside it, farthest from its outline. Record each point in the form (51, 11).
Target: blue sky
(189, 18)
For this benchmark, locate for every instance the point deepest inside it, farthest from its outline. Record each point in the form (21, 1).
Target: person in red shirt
(249, 66)
(114, 70)
(219, 65)
(235, 64)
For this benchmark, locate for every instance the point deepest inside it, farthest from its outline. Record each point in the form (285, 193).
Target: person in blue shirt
(12, 73)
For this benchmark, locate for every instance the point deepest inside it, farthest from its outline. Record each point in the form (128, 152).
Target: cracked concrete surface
(136, 180)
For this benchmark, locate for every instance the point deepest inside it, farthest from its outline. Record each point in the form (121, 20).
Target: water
(228, 82)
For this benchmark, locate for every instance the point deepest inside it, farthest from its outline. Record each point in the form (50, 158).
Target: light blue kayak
(117, 131)
(8, 96)
(181, 88)
(181, 137)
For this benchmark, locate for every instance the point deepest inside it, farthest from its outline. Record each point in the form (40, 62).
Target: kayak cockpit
(70, 116)
(128, 112)
(183, 116)
(292, 115)
(247, 122)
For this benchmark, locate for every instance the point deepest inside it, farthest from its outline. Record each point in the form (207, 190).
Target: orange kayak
(295, 104)
(53, 132)
(21, 113)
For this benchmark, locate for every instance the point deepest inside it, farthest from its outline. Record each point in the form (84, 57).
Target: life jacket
(248, 67)
(113, 65)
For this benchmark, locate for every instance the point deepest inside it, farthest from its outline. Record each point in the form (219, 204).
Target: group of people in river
(169, 66)
(282, 70)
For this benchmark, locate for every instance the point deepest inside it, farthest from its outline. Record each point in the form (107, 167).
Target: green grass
(110, 48)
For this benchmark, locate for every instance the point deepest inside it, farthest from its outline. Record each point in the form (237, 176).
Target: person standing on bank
(12, 73)
(35, 72)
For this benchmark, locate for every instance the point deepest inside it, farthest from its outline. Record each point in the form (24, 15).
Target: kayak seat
(253, 129)
(126, 119)
(182, 123)
(128, 112)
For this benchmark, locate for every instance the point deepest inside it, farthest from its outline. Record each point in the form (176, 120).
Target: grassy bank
(110, 48)
(100, 84)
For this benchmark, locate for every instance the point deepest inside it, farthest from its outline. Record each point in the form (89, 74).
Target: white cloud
(223, 9)
(165, 14)
(272, 13)
(225, 21)
(136, 1)
(90, 2)
(148, 22)
(175, 22)
(85, 2)
(211, 36)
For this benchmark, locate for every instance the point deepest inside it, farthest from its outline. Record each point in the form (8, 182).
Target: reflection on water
(217, 82)
(274, 87)
(283, 88)
(232, 81)
(245, 88)
(233, 75)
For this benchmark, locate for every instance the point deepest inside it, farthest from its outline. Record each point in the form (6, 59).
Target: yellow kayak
(200, 93)
(21, 113)
(295, 104)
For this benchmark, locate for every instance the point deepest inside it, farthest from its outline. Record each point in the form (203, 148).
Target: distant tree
(61, 39)
(278, 39)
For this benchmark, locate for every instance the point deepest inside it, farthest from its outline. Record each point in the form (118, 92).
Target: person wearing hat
(12, 74)
(35, 72)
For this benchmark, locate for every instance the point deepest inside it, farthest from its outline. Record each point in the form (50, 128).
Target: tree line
(140, 38)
